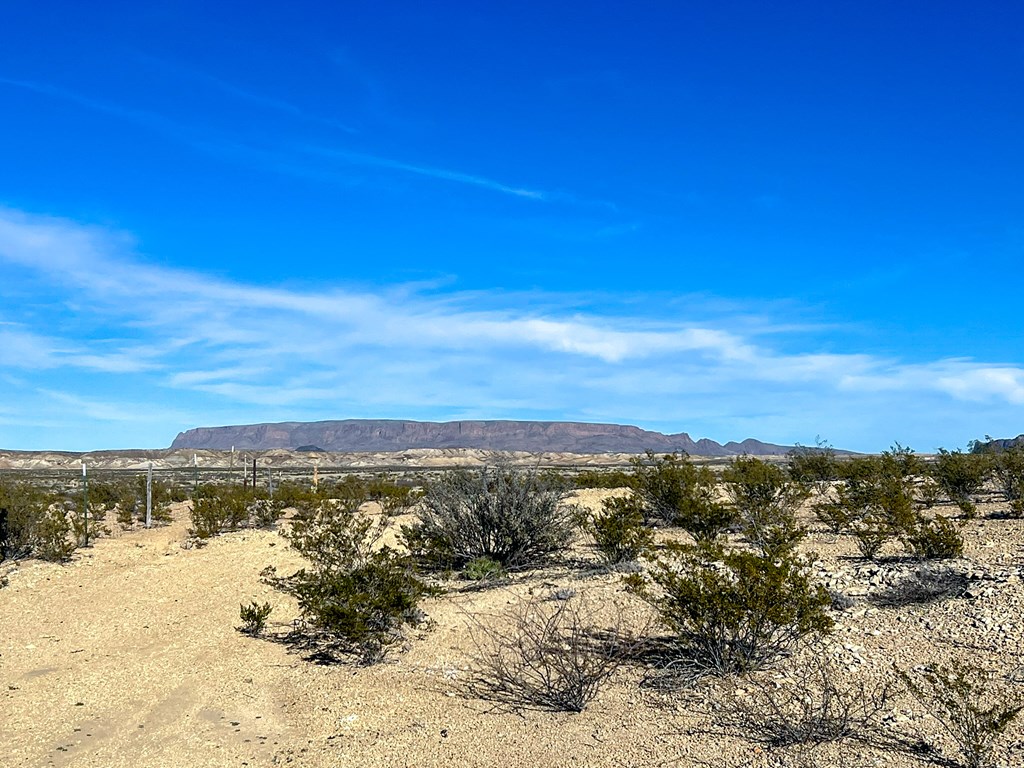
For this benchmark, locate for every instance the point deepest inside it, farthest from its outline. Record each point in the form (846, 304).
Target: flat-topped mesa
(400, 435)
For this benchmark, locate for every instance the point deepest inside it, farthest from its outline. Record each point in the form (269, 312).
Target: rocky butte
(399, 435)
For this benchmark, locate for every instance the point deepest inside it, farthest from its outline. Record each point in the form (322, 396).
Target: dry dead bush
(923, 585)
(974, 709)
(794, 757)
(805, 702)
(549, 654)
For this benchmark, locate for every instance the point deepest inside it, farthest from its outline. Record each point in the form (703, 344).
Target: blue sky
(735, 219)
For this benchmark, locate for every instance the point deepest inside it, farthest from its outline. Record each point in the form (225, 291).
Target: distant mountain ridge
(998, 444)
(494, 435)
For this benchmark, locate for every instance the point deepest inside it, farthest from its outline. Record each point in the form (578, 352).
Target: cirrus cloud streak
(401, 351)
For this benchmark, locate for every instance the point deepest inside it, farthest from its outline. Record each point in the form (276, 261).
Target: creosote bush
(618, 529)
(876, 502)
(507, 515)
(1009, 472)
(974, 711)
(961, 476)
(675, 491)
(609, 479)
(219, 508)
(394, 498)
(766, 501)
(815, 467)
(900, 461)
(362, 610)
(872, 503)
(42, 523)
(254, 617)
(22, 509)
(356, 598)
(164, 493)
(733, 611)
(293, 493)
(54, 535)
(936, 538)
(551, 654)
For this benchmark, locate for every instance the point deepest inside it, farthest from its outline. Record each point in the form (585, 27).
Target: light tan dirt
(128, 656)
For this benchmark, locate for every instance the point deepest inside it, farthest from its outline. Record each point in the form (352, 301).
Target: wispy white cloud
(232, 373)
(282, 159)
(963, 379)
(244, 94)
(397, 351)
(358, 158)
(24, 349)
(145, 118)
(92, 409)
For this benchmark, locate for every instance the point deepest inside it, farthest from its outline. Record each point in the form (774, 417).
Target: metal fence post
(149, 495)
(85, 502)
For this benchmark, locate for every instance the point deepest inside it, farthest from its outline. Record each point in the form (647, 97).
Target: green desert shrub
(254, 617)
(900, 461)
(360, 610)
(928, 492)
(874, 504)
(1008, 467)
(218, 508)
(871, 532)
(618, 529)
(131, 500)
(936, 538)
(483, 569)
(103, 494)
(129, 506)
(87, 525)
(608, 479)
(974, 710)
(37, 522)
(300, 495)
(209, 516)
(765, 502)
(335, 535)
(394, 498)
(350, 489)
(22, 507)
(815, 467)
(961, 476)
(678, 492)
(264, 513)
(833, 512)
(355, 597)
(556, 480)
(508, 515)
(733, 611)
(54, 538)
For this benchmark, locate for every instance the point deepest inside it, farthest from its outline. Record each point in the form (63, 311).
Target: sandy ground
(128, 656)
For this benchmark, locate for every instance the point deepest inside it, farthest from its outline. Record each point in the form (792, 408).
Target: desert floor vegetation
(691, 615)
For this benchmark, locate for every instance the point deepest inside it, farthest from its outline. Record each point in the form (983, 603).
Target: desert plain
(128, 655)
